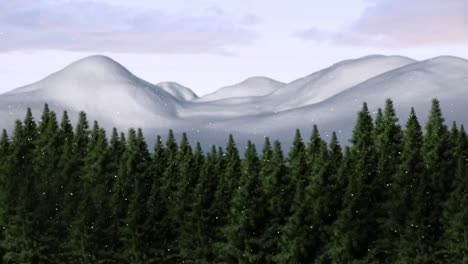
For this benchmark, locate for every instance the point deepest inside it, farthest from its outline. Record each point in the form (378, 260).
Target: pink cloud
(100, 27)
(400, 24)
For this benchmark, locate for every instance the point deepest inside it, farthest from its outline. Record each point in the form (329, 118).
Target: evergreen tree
(277, 192)
(455, 217)
(183, 195)
(137, 167)
(21, 196)
(388, 141)
(313, 149)
(74, 168)
(297, 179)
(169, 189)
(356, 225)
(204, 216)
(228, 184)
(436, 154)
(47, 225)
(158, 228)
(86, 237)
(4, 161)
(409, 197)
(187, 196)
(248, 215)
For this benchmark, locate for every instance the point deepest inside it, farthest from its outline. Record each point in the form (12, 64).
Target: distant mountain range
(252, 109)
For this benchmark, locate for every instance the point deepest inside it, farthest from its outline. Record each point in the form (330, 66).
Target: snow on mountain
(254, 86)
(413, 85)
(178, 91)
(101, 87)
(333, 80)
(329, 98)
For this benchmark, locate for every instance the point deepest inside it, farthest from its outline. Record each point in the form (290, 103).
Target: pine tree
(247, 215)
(137, 167)
(313, 149)
(169, 189)
(4, 161)
(356, 225)
(48, 227)
(228, 184)
(64, 169)
(186, 179)
(204, 216)
(158, 227)
(409, 196)
(436, 154)
(455, 217)
(388, 141)
(277, 192)
(111, 222)
(297, 179)
(20, 194)
(327, 204)
(86, 237)
(186, 198)
(75, 166)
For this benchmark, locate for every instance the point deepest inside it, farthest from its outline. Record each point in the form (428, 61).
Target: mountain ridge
(115, 97)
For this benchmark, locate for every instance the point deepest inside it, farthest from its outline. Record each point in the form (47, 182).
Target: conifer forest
(395, 193)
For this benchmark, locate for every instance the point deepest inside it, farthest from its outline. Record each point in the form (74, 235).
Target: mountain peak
(447, 59)
(259, 79)
(97, 65)
(178, 91)
(253, 86)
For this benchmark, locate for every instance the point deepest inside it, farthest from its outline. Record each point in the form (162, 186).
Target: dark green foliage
(247, 216)
(4, 161)
(439, 176)
(230, 170)
(455, 219)
(137, 166)
(357, 224)
(388, 144)
(278, 193)
(21, 195)
(204, 215)
(73, 196)
(408, 195)
(158, 228)
(297, 179)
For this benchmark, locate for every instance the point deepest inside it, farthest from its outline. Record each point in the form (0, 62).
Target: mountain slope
(254, 86)
(178, 91)
(111, 94)
(413, 85)
(101, 87)
(333, 80)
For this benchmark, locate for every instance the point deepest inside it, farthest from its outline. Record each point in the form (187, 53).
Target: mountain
(101, 87)
(329, 98)
(254, 86)
(413, 85)
(335, 79)
(178, 91)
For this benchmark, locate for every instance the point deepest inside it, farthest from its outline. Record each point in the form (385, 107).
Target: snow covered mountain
(101, 87)
(335, 79)
(178, 91)
(254, 86)
(253, 109)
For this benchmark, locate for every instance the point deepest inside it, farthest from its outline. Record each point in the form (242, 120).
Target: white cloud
(401, 24)
(78, 25)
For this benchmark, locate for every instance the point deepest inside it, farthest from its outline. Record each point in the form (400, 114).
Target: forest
(396, 193)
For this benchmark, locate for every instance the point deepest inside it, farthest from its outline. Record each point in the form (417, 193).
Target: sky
(208, 44)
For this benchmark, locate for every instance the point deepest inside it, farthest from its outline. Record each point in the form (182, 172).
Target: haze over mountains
(252, 109)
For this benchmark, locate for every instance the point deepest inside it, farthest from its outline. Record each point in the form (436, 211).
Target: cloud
(80, 25)
(401, 24)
